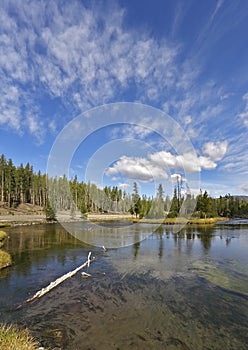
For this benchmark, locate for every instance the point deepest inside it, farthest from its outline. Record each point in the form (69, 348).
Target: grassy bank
(3, 236)
(167, 221)
(181, 221)
(5, 259)
(11, 338)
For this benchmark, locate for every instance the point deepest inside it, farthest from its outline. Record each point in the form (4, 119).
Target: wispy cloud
(78, 55)
(244, 114)
(244, 187)
(84, 57)
(70, 56)
(219, 4)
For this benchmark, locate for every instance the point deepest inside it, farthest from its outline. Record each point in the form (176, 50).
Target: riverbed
(171, 289)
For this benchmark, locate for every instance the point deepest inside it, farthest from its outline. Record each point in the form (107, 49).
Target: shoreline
(19, 220)
(29, 219)
(22, 220)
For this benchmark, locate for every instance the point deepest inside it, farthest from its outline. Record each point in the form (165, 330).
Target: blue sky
(189, 59)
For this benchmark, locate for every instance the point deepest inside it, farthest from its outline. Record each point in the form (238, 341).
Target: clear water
(171, 291)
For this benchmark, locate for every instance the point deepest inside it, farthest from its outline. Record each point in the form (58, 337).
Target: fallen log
(59, 280)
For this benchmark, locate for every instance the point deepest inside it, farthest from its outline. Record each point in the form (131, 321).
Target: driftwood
(86, 275)
(59, 280)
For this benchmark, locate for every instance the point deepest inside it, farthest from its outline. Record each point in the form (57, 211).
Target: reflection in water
(102, 234)
(136, 247)
(185, 290)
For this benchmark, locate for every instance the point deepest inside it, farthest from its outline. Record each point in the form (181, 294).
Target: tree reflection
(205, 240)
(160, 232)
(136, 248)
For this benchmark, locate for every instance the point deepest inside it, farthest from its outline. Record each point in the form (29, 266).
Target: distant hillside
(241, 198)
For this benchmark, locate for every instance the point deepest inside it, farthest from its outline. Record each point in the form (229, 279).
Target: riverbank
(31, 219)
(15, 220)
(5, 258)
(167, 221)
(24, 214)
(182, 221)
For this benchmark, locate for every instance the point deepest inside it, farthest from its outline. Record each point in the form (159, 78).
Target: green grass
(5, 260)
(12, 338)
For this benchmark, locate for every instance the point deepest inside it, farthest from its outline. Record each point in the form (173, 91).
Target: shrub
(11, 338)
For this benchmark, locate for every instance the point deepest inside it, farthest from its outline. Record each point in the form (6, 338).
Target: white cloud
(245, 96)
(207, 163)
(191, 133)
(218, 6)
(226, 96)
(244, 115)
(215, 151)
(131, 131)
(188, 162)
(244, 187)
(35, 126)
(61, 49)
(85, 57)
(137, 169)
(177, 177)
(235, 161)
(158, 165)
(187, 119)
(163, 159)
(124, 185)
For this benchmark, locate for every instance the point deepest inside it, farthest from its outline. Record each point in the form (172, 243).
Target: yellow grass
(3, 235)
(11, 338)
(181, 221)
(5, 260)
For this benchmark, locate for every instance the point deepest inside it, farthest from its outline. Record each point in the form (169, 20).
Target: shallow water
(187, 290)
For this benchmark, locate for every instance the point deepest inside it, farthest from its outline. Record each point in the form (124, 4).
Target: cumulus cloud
(188, 162)
(177, 177)
(163, 159)
(124, 185)
(137, 169)
(159, 165)
(215, 151)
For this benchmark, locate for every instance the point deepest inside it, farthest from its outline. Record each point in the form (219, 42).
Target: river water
(183, 290)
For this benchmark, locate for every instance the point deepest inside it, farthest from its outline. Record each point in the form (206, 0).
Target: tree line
(20, 184)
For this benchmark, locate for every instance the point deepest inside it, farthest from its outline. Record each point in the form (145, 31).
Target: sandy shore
(6, 220)
(102, 217)
(21, 219)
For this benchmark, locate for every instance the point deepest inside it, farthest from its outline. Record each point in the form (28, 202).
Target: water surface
(187, 290)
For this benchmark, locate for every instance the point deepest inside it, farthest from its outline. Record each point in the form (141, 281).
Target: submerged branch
(59, 280)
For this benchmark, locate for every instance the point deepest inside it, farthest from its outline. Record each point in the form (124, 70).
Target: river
(183, 290)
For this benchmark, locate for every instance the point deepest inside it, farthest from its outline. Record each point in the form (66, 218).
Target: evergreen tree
(174, 209)
(50, 211)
